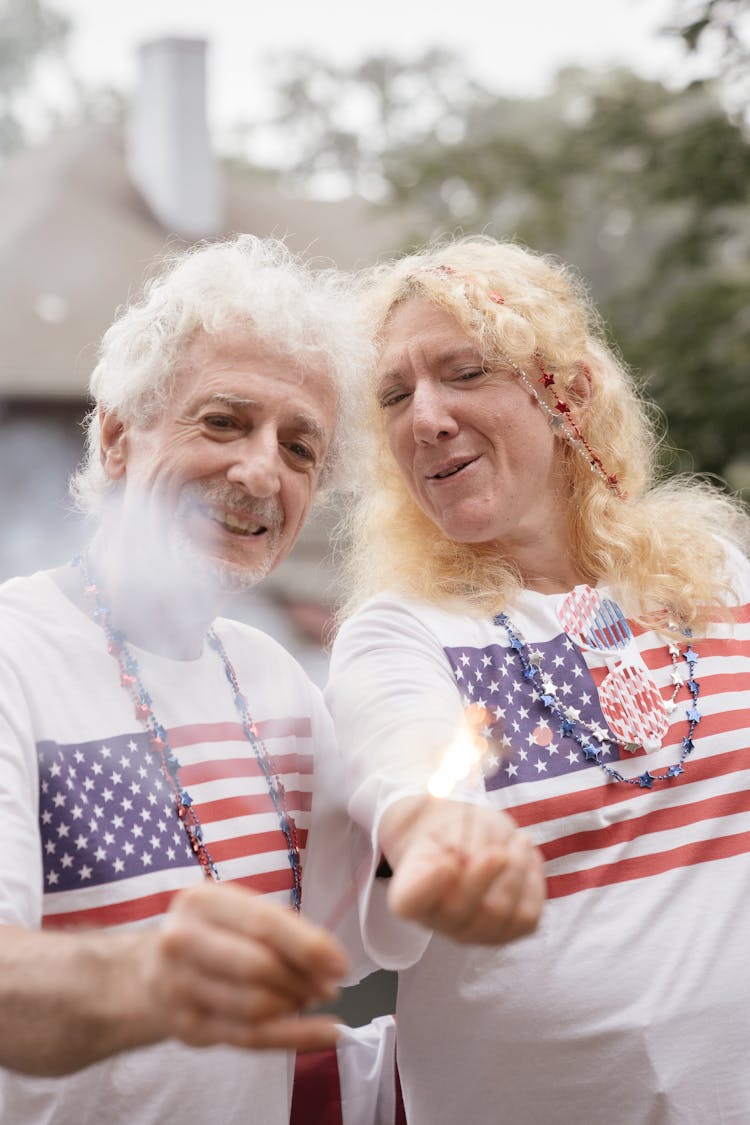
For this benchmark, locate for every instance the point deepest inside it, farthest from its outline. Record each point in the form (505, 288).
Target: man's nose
(432, 419)
(257, 464)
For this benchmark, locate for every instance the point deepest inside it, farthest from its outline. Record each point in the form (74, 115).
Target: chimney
(169, 153)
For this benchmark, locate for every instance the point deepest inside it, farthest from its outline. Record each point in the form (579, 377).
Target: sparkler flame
(463, 757)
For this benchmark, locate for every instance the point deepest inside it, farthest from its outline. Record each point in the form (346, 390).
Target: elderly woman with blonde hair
(543, 640)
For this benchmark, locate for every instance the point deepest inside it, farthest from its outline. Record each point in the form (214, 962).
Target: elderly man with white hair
(156, 759)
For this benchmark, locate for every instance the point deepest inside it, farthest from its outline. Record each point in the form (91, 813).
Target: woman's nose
(432, 418)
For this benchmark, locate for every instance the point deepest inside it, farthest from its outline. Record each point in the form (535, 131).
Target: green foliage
(721, 25)
(29, 29)
(340, 121)
(642, 187)
(697, 355)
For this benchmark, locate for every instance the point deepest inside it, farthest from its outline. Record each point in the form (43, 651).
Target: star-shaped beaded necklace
(130, 680)
(589, 738)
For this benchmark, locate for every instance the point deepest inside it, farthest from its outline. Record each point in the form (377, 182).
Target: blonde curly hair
(661, 545)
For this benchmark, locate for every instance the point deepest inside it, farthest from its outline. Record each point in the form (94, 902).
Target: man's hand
(464, 870)
(230, 966)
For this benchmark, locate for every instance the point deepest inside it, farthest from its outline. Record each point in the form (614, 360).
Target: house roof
(76, 239)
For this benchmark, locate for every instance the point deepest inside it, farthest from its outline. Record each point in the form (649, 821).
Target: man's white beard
(213, 572)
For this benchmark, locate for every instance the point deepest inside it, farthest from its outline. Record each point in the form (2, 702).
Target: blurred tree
(29, 30)
(338, 122)
(642, 187)
(723, 27)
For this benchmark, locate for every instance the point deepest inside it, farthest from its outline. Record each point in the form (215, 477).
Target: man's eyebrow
(230, 400)
(305, 423)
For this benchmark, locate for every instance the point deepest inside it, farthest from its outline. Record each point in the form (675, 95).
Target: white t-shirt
(90, 835)
(631, 1002)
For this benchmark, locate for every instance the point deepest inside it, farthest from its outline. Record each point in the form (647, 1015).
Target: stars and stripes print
(593, 831)
(526, 742)
(114, 850)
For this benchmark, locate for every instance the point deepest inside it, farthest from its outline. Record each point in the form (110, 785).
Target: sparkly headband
(559, 414)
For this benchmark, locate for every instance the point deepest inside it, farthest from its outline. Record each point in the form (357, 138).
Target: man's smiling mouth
(237, 525)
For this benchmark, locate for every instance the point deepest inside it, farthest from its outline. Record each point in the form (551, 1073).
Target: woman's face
(475, 449)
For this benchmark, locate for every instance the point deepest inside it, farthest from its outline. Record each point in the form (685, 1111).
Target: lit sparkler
(461, 762)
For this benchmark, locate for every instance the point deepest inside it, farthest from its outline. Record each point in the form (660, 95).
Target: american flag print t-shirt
(94, 838)
(107, 815)
(538, 772)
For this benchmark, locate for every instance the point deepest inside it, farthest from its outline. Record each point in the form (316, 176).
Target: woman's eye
(392, 398)
(466, 376)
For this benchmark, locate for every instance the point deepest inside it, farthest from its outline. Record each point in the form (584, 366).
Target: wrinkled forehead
(238, 369)
(239, 344)
(420, 323)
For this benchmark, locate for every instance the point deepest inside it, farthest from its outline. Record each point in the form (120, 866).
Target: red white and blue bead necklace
(130, 679)
(545, 690)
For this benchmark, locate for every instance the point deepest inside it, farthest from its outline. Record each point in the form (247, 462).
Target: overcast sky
(514, 46)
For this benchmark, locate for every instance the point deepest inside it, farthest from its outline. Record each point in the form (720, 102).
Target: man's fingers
(307, 948)
(208, 953)
(304, 1033)
(259, 996)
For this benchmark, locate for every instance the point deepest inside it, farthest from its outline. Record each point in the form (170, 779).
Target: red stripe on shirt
(225, 808)
(255, 843)
(151, 906)
(115, 914)
(639, 867)
(659, 820)
(246, 766)
(612, 793)
(193, 733)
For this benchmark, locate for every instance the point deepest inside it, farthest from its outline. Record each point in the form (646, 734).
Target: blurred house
(82, 217)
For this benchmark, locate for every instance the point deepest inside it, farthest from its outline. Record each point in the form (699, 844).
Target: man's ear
(113, 444)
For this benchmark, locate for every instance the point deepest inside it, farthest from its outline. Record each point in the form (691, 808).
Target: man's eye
(219, 422)
(303, 452)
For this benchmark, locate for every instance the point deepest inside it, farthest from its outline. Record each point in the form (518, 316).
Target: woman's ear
(578, 393)
(113, 444)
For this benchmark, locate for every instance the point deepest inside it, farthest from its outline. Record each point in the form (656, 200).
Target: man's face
(226, 476)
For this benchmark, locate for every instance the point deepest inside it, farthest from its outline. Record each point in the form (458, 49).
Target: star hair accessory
(130, 680)
(562, 420)
(449, 272)
(559, 413)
